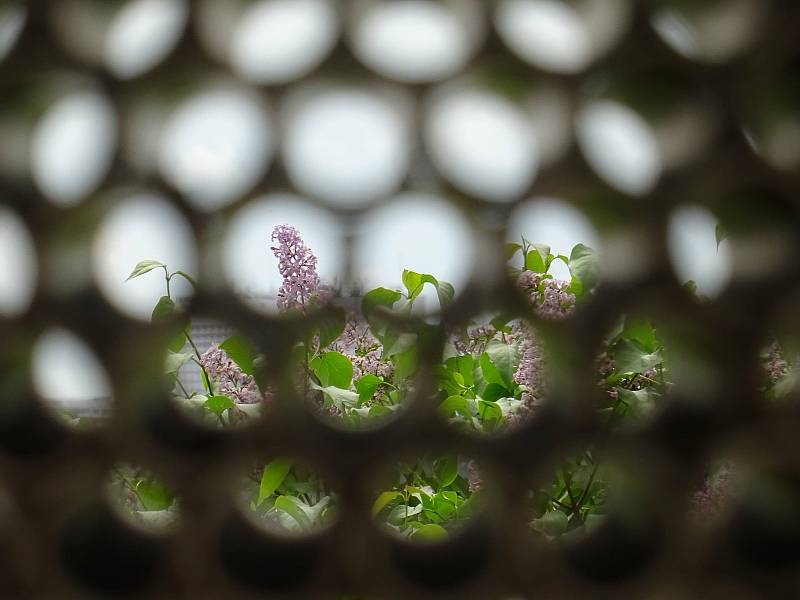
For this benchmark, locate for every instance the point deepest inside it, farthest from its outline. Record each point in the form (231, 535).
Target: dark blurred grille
(58, 539)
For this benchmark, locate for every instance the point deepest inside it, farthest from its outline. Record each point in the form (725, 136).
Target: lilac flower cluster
(715, 495)
(475, 340)
(363, 349)
(550, 298)
(530, 372)
(230, 380)
(774, 364)
(298, 267)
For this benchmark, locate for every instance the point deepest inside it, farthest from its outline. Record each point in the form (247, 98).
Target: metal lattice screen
(715, 84)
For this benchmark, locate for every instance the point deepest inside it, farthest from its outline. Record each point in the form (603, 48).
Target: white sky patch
(142, 227)
(620, 146)
(546, 33)
(346, 145)
(141, 35)
(72, 147)
(216, 147)
(555, 223)
(18, 267)
(693, 250)
(419, 232)
(65, 369)
(276, 41)
(250, 266)
(413, 41)
(483, 143)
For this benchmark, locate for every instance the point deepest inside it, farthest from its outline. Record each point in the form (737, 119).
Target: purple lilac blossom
(230, 380)
(550, 298)
(298, 267)
(364, 350)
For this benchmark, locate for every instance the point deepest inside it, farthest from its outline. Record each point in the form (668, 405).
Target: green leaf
(293, 507)
(494, 391)
(505, 358)
(405, 364)
(641, 331)
(430, 532)
(382, 500)
(630, 357)
(164, 309)
(366, 386)
(511, 250)
(187, 277)
(403, 343)
(175, 361)
(341, 398)
(331, 326)
(491, 414)
(153, 494)
(452, 404)
(445, 470)
(333, 369)
(177, 343)
(640, 402)
(219, 404)
(413, 283)
(534, 262)
(241, 352)
(379, 297)
(553, 523)
(272, 478)
(721, 234)
(463, 365)
(144, 267)
(583, 266)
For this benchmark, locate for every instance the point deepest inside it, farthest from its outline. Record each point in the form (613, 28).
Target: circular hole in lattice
(270, 41)
(562, 37)
(602, 511)
(274, 269)
(429, 499)
(638, 128)
(105, 554)
(127, 38)
(357, 370)
(655, 371)
(70, 379)
(493, 375)
(215, 374)
(216, 145)
(708, 32)
(12, 21)
(419, 245)
(433, 508)
(482, 141)
(140, 233)
(634, 166)
(772, 125)
(554, 227)
(698, 252)
(142, 498)
(72, 146)
(18, 265)
(346, 144)
(417, 41)
(287, 498)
